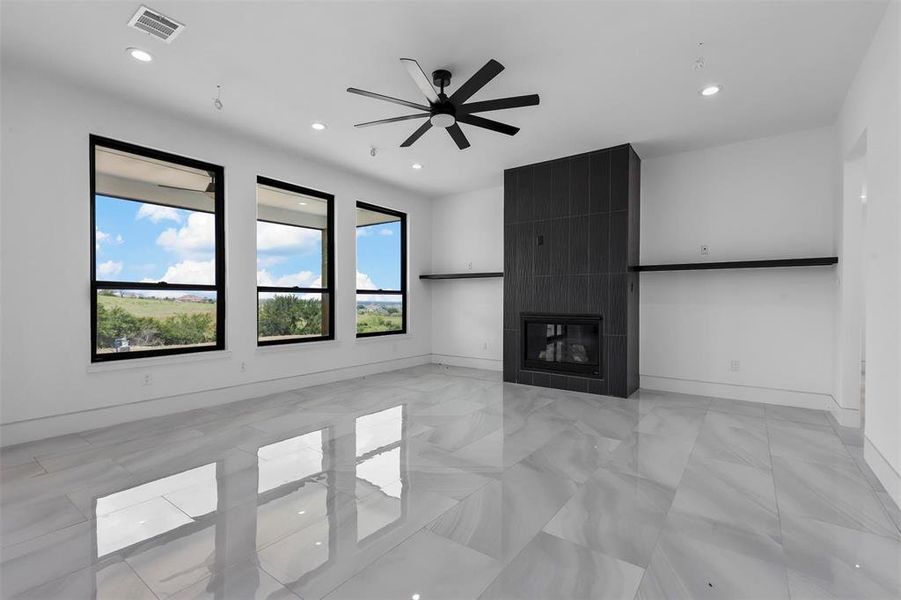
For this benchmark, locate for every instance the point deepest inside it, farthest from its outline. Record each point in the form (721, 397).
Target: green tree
(290, 315)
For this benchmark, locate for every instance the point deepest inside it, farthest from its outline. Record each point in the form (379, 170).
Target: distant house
(190, 298)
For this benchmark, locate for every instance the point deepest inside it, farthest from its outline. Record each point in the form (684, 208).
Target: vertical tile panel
(510, 210)
(540, 379)
(541, 191)
(619, 178)
(616, 314)
(598, 243)
(578, 190)
(615, 345)
(619, 241)
(524, 194)
(552, 256)
(599, 182)
(560, 181)
(578, 240)
(524, 248)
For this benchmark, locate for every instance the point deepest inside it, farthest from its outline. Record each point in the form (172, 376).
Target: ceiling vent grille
(157, 25)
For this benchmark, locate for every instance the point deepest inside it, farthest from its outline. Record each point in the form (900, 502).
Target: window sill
(157, 361)
(276, 348)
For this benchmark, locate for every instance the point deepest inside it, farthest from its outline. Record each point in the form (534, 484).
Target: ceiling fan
(449, 111)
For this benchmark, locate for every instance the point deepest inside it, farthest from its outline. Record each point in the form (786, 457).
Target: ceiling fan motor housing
(443, 114)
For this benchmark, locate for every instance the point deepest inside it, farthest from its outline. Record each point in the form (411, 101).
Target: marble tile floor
(440, 482)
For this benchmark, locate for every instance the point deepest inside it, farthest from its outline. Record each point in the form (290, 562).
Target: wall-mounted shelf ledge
(461, 275)
(821, 261)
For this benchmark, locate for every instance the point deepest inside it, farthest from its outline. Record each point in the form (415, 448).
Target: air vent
(157, 25)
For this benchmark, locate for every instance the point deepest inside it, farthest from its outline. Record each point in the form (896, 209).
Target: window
(157, 253)
(381, 271)
(295, 266)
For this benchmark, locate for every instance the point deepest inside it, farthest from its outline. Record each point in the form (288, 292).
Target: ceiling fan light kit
(447, 112)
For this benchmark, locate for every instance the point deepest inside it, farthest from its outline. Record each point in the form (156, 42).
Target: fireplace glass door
(563, 344)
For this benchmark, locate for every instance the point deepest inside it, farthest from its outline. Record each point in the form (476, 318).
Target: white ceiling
(607, 72)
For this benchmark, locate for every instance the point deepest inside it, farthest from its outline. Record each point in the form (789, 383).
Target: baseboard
(35, 429)
(490, 364)
(884, 471)
(765, 395)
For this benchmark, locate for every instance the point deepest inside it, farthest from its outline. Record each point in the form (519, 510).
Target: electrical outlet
(243, 366)
(705, 250)
(484, 345)
(470, 266)
(735, 365)
(148, 379)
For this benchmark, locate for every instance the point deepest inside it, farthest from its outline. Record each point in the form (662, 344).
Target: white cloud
(108, 268)
(385, 231)
(157, 213)
(363, 232)
(365, 283)
(102, 237)
(271, 236)
(202, 272)
(197, 236)
(270, 261)
(299, 279)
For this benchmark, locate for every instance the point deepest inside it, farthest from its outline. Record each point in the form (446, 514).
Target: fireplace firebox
(562, 344)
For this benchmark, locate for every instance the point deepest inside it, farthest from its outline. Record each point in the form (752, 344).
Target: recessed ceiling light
(711, 90)
(302, 203)
(417, 166)
(139, 55)
(318, 126)
(414, 597)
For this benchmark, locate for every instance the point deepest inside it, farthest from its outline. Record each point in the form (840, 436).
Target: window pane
(135, 320)
(292, 239)
(292, 316)
(378, 251)
(138, 241)
(379, 312)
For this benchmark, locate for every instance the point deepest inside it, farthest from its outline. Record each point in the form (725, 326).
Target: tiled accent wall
(586, 209)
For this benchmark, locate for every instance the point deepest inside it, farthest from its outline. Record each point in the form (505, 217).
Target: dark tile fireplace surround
(571, 230)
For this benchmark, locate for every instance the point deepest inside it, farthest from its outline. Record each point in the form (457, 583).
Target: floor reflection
(304, 502)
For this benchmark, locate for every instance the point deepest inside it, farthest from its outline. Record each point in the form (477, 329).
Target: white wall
(468, 314)
(871, 108)
(767, 198)
(45, 278)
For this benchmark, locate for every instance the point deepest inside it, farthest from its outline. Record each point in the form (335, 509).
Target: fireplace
(569, 344)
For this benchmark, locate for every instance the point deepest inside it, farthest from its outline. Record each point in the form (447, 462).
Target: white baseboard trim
(29, 430)
(847, 417)
(765, 395)
(490, 364)
(884, 471)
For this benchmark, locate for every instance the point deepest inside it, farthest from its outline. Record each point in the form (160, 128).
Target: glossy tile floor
(438, 482)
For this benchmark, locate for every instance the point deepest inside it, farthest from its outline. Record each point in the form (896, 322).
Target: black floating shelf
(822, 261)
(461, 275)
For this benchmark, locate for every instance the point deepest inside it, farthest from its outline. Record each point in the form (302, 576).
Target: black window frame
(218, 173)
(329, 289)
(403, 272)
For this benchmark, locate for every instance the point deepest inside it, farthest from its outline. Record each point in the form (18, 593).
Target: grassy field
(367, 321)
(158, 308)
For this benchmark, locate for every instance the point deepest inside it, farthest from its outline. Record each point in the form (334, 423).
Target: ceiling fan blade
(488, 124)
(460, 139)
(417, 134)
(499, 104)
(392, 120)
(420, 79)
(387, 99)
(477, 81)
